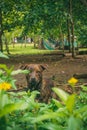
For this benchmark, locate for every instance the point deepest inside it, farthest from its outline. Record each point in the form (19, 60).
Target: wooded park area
(55, 20)
(43, 64)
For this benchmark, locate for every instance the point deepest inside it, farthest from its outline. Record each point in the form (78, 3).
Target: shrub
(21, 111)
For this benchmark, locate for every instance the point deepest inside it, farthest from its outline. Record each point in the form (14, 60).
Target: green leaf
(74, 123)
(19, 71)
(5, 68)
(10, 108)
(82, 110)
(12, 82)
(1, 72)
(3, 100)
(9, 70)
(62, 94)
(14, 127)
(53, 126)
(44, 117)
(70, 103)
(3, 55)
(84, 88)
(50, 115)
(57, 103)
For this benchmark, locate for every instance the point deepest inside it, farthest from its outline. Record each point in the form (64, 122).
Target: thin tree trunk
(25, 40)
(69, 34)
(41, 44)
(69, 25)
(72, 29)
(62, 38)
(72, 39)
(80, 76)
(1, 32)
(13, 42)
(7, 48)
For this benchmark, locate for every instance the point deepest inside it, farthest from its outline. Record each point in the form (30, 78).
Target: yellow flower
(72, 81)
(5, 86)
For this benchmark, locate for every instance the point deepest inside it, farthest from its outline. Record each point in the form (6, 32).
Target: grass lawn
(29, 49)
(20, 49)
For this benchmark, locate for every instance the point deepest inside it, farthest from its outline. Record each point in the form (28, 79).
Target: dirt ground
(60, 68)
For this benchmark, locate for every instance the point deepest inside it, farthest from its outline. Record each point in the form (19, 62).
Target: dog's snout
(33, 80)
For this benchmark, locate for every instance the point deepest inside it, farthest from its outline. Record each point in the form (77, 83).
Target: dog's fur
(35, 81)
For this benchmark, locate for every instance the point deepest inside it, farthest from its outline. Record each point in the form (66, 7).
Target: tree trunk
(7, 48)
(72, 29)
(62, 38)
(69, 34)
(1, 32)
(41, 46)
(69, 25)
(25, 41)
(80, 76)
(72, 39)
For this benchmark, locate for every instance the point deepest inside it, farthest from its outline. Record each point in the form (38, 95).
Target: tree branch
(84, 2)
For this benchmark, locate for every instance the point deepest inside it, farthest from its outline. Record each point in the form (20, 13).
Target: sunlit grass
(28, 49)
(25, 49)
(83, 49)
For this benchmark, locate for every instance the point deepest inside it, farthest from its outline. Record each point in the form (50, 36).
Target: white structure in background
(29, 40)
(15, 40)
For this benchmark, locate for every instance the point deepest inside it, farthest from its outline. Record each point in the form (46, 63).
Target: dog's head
(34, 77)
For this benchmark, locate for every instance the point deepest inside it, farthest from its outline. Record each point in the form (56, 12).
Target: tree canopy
(47, 18)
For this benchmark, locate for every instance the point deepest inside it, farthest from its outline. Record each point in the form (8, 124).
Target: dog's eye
(38, 72)
(30, 70)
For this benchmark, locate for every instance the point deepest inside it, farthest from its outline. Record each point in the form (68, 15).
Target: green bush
(21, 110)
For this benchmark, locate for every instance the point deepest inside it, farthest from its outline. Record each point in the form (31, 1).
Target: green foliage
(29, 114)
(42, 18)
(22, 111)
(7, 73)
(82, 98)
(3, 55)
(63, 96)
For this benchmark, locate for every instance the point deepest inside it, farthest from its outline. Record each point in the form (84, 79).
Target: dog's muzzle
(33, 84)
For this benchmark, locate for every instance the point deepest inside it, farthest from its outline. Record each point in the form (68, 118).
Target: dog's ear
(43, 66)
(24, 66)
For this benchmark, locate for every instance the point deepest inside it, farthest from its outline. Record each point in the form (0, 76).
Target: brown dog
(35, 81)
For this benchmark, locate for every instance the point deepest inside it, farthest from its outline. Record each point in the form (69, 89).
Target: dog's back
(46, 89)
